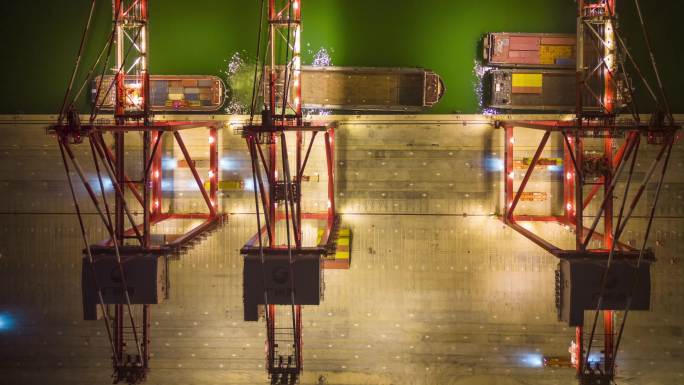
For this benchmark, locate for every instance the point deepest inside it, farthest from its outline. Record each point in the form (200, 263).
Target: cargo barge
(370, 88)
(169, 93)
(534, 90)
(530, 50)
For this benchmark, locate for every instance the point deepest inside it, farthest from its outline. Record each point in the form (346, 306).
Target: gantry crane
(124, 274)
(281, 273)
(610, 275)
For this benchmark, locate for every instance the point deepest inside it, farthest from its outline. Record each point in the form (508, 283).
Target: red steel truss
(278, 181)
(602, 80)
(138, 194)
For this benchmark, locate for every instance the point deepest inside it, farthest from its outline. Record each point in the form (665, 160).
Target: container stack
(175, 93)
(531, 72)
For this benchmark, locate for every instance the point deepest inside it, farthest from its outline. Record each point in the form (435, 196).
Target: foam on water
(321, 58)
(239, 73)
(480, 71)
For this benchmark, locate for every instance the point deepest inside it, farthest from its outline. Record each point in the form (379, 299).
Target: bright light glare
(235, 123)
(494, 164)
(169, 163)
(532, 360)
(107, 183)
(594, 358)
(226, 163)
(527, 225)
(5, 322)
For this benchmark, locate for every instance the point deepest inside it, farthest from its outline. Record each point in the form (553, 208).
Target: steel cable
(103, 308)
(252, 107)
(663, 95)
(617, 234)
(77, 64)
(643, 248)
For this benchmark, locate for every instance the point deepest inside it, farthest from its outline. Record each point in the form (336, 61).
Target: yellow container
(527, 80)
(548, 54)
(227, 185)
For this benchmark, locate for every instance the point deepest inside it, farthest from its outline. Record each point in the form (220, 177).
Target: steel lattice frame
(131, 76)
(278, 193)
(129, 325)
(602, 81)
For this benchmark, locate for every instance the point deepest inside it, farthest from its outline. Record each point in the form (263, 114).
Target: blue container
(565, 62)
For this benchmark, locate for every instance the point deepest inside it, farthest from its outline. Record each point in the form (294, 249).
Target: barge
(171, 93)
(370, 88)
(515, 89)
(530, 50)
(533, 90)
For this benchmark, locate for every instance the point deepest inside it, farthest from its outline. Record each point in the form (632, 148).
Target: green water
(197, 37)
